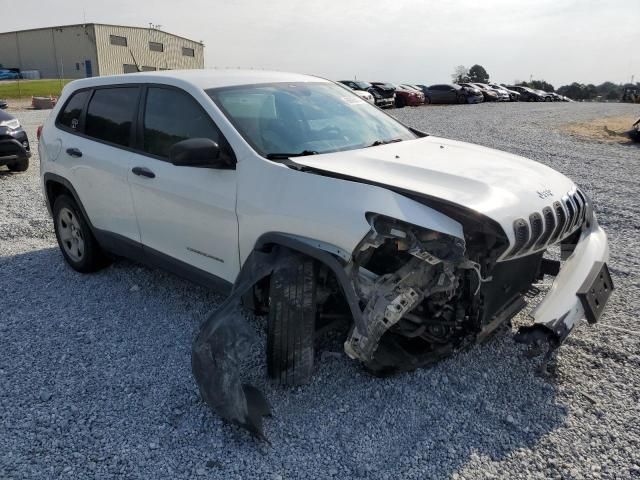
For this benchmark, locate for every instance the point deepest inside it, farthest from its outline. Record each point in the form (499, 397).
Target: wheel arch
(334, 258)
(56, 185)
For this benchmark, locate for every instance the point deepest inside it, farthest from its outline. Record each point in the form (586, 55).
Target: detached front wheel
(292, 322)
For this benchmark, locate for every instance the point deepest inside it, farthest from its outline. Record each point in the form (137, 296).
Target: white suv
(312, 205)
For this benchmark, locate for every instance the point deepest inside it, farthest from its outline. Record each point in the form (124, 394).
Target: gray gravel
(95, 370)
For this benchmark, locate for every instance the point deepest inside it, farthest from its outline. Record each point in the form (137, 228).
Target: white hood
(499, 185)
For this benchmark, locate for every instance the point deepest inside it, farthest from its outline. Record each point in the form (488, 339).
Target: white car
(365, 96)
(312, 206)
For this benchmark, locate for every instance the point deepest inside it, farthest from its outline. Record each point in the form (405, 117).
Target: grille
(554, 223)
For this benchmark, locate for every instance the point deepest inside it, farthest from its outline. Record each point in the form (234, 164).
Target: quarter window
(188, 52)
(156, 47)
(172, 116)
(110, 114)
(117, 40)
(71, 114)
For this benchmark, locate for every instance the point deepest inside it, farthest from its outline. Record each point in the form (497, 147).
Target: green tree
(477, 73)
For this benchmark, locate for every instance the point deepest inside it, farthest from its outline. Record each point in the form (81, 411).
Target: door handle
(74, 152)
(143, 172)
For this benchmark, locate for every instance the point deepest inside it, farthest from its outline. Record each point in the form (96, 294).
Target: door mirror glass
(197, 152)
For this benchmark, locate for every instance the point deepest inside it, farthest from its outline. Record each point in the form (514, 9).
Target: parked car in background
(3, 104)
(634, 133)
(546, 96)
(526, 94)
(379, 99)
(386, 92)
(8, 74)
(365, 96)
(489, 94)
(503, 95)
(445, 93)
(404, 97)
(14, 144)
(513, 95)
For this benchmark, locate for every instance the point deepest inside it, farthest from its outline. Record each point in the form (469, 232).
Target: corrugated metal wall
(57, 52)
(78, 51)
(112, 58)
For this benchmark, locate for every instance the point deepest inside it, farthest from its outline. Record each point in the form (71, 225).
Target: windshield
(363, 85)
(305, 118)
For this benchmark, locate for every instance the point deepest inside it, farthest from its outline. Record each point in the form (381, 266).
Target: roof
(100, 24)
(200, 78)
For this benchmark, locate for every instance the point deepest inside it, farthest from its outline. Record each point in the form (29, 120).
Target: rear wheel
(77, 244)
(292, 322)
(19, 165)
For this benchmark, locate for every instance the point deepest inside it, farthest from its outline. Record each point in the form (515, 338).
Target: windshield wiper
(282, 156)
(384, 142)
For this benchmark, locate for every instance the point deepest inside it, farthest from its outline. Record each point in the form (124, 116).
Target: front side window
(110, 114)
(305, 117)
(71, 114)
(171, 116)
(118, 40)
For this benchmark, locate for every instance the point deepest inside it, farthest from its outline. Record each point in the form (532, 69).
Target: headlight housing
(12, 124)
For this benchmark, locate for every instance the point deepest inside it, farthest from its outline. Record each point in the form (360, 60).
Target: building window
(188, 52)
(77, 66)
(128, 68)
(148, 69)
(116, 40)
(156, 47)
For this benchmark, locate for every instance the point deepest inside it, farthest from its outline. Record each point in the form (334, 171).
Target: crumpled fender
(225, 338)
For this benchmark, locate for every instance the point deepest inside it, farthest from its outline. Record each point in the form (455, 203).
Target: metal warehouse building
(87, 50)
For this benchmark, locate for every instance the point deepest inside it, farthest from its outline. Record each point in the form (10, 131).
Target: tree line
(575, 91)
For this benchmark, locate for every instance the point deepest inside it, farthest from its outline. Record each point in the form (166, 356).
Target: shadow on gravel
(97, 367)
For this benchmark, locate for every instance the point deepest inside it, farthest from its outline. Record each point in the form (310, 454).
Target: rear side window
(71, 114)
(110, 114)
(172, 116)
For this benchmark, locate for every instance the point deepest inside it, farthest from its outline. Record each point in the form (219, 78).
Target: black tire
(292, 322)
(427, 100)
(462, 99)
(19, 165)
(400, 103)
(92, 258)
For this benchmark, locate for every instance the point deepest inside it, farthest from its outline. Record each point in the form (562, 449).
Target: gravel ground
(95, 374)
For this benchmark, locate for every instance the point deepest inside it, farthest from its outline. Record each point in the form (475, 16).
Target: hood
(497, 184)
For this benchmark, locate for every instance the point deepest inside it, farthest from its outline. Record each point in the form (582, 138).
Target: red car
(404, 96)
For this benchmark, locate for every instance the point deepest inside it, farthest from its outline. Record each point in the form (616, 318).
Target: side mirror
(198, 152)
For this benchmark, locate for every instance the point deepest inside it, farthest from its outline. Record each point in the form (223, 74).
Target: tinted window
(70, 115)
(110, 114)
(172, 116)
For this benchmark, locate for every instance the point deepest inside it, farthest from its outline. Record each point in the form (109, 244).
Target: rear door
(95, 131)
(185, 213)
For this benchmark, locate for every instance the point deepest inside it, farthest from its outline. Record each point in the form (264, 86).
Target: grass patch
(31, 88)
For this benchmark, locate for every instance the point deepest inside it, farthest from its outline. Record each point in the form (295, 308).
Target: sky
(402, 41)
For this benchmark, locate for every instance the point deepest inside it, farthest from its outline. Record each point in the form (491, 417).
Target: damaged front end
(415, 295)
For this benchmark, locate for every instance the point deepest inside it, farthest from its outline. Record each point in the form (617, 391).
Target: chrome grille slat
(554, 223)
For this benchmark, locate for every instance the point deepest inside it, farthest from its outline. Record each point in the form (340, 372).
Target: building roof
(200, 78)
(101, 24)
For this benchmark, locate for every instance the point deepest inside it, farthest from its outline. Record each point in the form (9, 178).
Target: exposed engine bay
(423, 297)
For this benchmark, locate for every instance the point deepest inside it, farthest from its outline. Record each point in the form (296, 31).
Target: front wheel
(292, 322)
(462, 99)
(79, 247)
(19, 165)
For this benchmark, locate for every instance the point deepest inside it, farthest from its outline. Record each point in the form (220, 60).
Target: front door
(186, 213)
